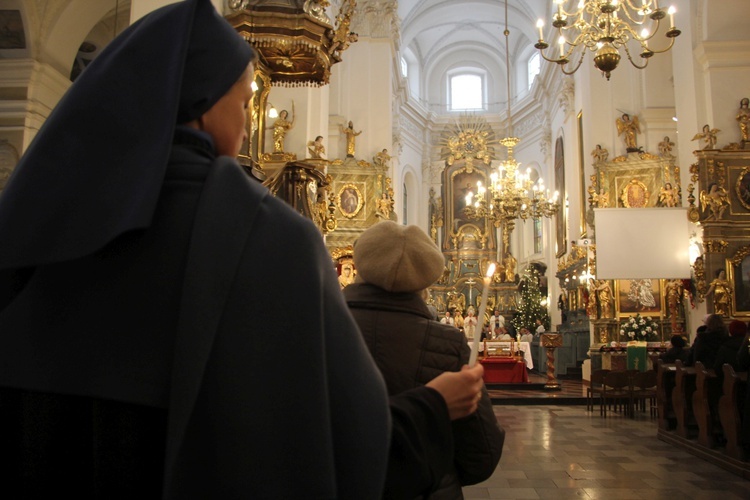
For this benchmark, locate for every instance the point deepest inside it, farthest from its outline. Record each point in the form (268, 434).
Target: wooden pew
(682, 397)
(735, 385)
(705, 398)
(665, 375)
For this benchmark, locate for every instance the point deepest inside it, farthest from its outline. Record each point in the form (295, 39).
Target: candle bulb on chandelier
(671, 12)
(561, 42)
(480, 317)
(540, 25)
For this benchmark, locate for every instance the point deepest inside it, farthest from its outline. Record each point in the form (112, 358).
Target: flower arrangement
(640, 328)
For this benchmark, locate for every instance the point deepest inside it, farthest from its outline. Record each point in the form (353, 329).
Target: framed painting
(739, 276)
(642, 296)
(561, 219)
(349, 200)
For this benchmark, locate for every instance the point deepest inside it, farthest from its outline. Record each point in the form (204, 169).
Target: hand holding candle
(480, 318)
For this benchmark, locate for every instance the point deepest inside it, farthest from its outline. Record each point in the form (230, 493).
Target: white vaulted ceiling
(438, 35)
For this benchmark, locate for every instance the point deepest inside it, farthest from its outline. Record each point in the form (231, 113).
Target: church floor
(559, 452)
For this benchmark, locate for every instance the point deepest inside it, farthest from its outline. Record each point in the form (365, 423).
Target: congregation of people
(717, 344)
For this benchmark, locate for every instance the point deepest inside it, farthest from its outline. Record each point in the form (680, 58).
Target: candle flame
(490, 270)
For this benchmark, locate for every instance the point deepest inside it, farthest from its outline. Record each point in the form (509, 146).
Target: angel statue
(665, 147)
(316, 148)
(629, 127)
(715, 201)
(708, 135)
(280, 128)
(600, 154)
(668, 196)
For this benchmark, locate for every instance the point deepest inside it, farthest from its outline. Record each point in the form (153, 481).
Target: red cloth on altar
(504, 371)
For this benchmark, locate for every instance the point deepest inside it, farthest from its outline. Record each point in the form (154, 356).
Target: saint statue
(605, 298)
(510, 268)
(350, 138)
(384, 206)
(722, 291)
(628, 128)
(743, 119)
(673, 297)
(280, 128)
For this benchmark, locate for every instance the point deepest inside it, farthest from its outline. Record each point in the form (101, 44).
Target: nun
(135, 263)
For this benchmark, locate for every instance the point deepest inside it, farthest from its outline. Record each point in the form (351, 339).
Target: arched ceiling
(432, 28)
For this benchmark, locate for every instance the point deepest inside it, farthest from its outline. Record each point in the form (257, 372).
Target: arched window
(404, 68)
(466, 91)
(534, 67)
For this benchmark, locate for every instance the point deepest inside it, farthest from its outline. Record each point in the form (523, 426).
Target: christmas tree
(530, 307)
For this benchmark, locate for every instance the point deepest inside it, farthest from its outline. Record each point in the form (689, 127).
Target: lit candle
(540, 25)
(561, 42)
(671, 11)
(480, 318)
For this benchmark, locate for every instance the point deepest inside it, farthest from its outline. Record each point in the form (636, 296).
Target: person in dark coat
(395, 264)
(728, 350)
(135, 263)
(706, 343)
(677, 351)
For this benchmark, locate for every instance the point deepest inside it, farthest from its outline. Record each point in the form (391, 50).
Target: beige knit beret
(397, 258)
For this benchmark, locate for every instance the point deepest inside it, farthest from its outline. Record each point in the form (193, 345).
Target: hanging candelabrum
(511, 195)
(604, 27)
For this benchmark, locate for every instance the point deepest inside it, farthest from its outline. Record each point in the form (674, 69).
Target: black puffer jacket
(411, 349)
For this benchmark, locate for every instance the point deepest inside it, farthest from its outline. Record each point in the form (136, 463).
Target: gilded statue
(722, 291)
(743, 119)
(629, 128)
(510, 268)
(591, 302)
(316, 148)
(384, 206)
(456, 301)
(600, 154)
(605, 298)
(699, 269)
(601, 199)
(715, 201)
(708, 135)
(668, 196)
(280, 128)
(350, 138)
(382, 158)
(673, 291)
(317, 9)
(665, 147)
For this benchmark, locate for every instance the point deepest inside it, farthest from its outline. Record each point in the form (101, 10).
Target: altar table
(520, 346)
(504, 371)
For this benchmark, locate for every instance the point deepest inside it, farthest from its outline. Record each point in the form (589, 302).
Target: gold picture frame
(349, 200)
(639, 296)
(738, 274)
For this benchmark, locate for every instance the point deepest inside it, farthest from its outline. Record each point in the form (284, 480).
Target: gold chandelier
(511, 194)
(604, 27)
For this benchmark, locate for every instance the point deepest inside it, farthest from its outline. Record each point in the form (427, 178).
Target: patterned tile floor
(559, 452)
(571, 392)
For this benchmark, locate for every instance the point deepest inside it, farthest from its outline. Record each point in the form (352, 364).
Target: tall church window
(534, 67)
(404, 68)
(466, 91)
